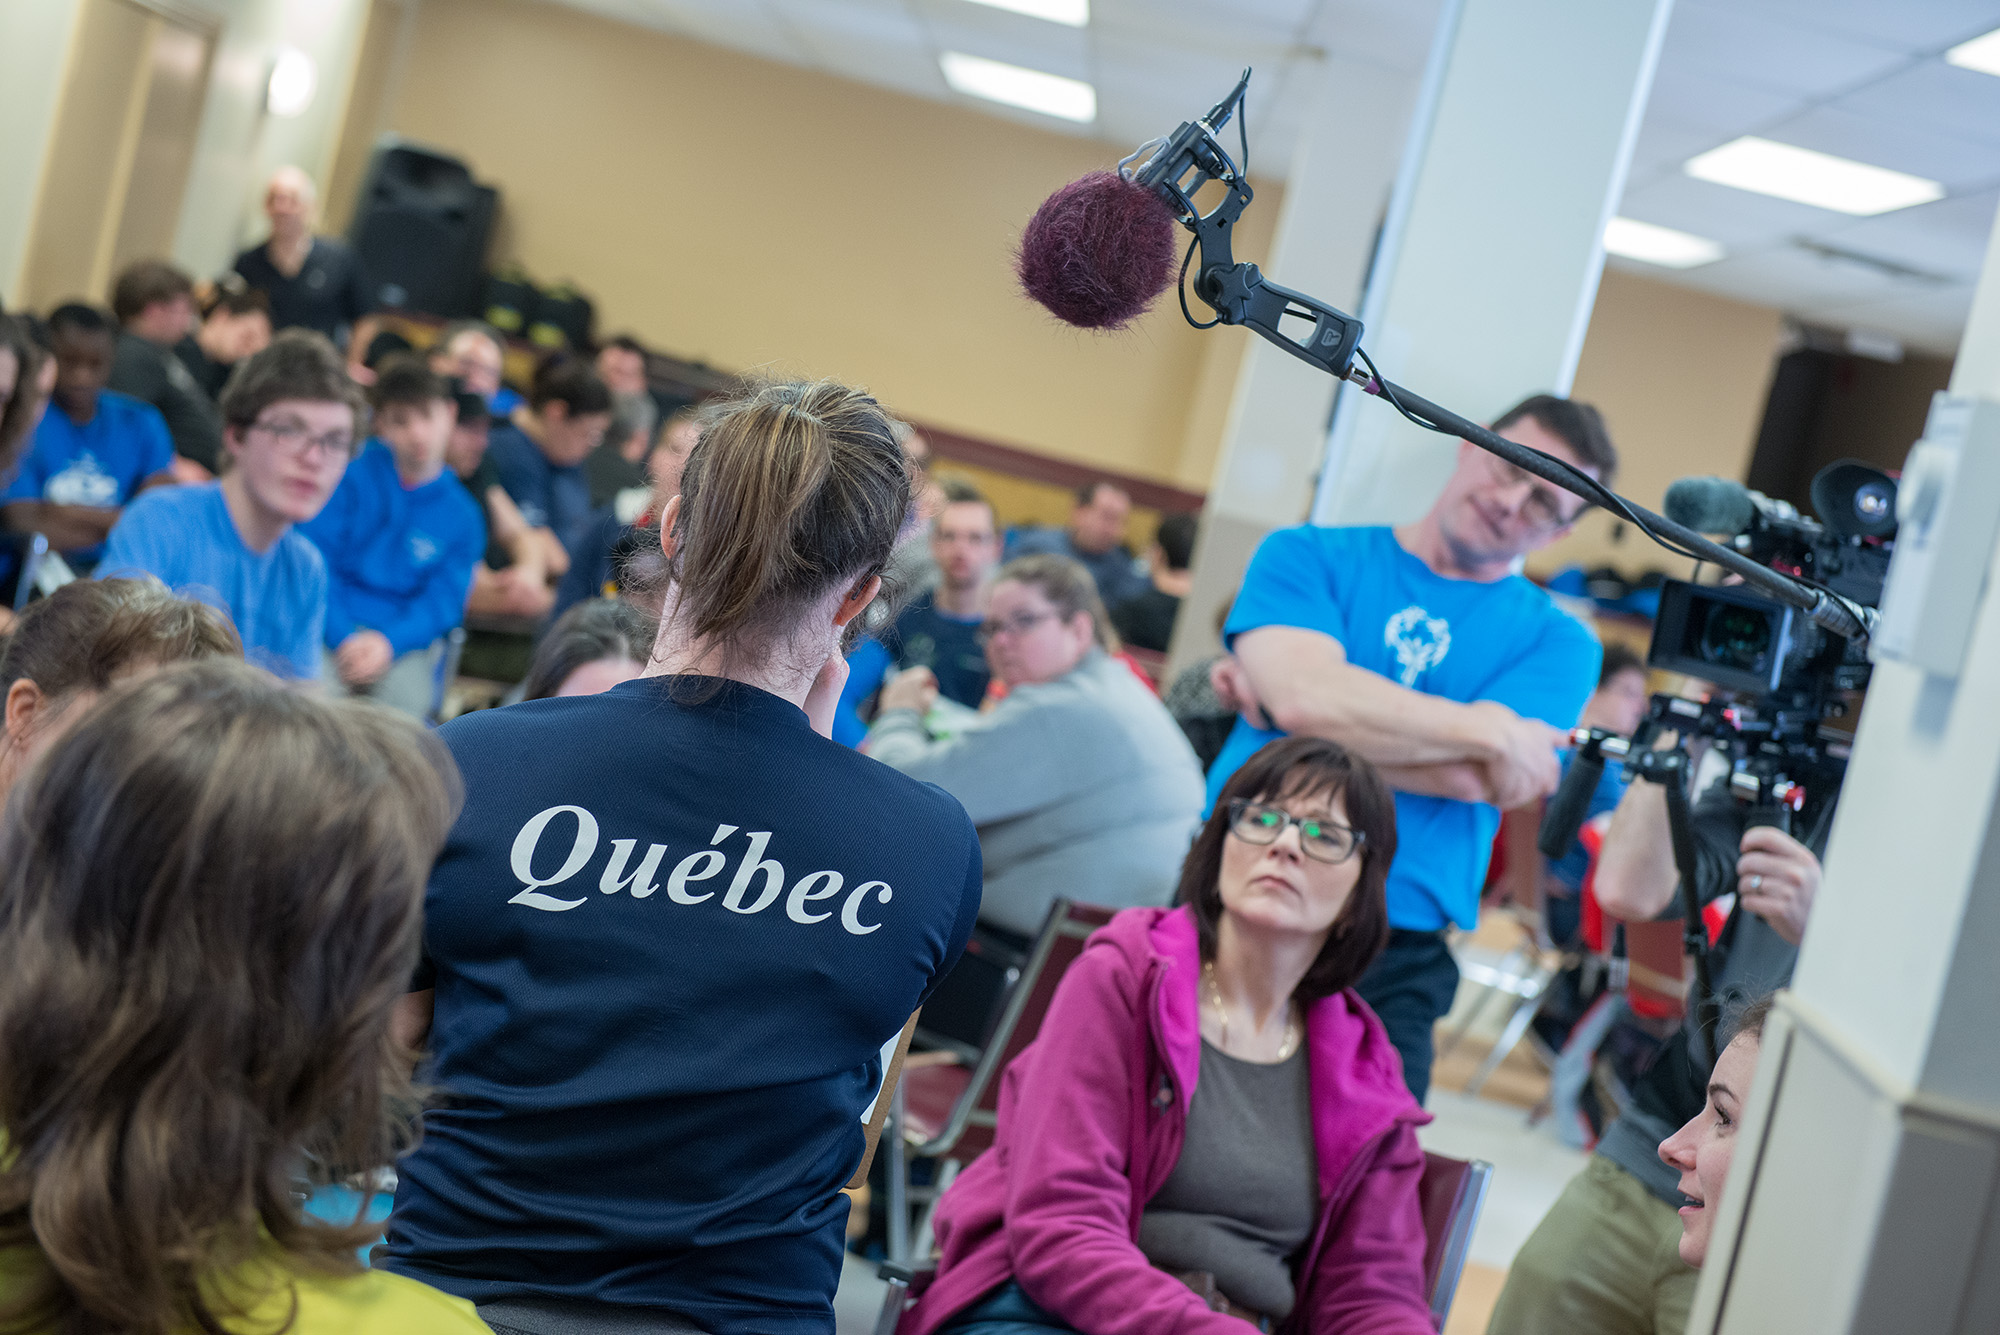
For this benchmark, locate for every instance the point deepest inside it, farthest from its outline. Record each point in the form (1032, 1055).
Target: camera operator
(1605, 1258)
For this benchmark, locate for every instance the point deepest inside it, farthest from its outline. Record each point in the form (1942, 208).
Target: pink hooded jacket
(1092, 1118)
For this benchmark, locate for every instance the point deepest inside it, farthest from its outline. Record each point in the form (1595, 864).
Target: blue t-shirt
(548, 496)
(1460, 640)
(669, 941)
(102, 463)
(399, 558)
(184, 537)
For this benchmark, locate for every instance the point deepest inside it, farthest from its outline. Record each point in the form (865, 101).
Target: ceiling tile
(1687, 96)
(1936, 95)
(1949, 237)
(1736, 218)
(1931, 323)
(1725, 42)
(1924, 25)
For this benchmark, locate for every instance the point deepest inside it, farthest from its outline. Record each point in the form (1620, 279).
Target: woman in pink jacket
(1211, 1134)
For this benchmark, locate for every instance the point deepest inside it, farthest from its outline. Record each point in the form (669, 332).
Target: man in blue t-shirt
(93, 451)
(400, 538)
(1419, 648)
(938, 633)
(289, 424)
(539, 455)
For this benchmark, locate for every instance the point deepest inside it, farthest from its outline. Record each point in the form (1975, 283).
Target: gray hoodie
(1082, 787)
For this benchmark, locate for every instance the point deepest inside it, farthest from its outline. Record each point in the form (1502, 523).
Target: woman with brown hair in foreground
(211, 894)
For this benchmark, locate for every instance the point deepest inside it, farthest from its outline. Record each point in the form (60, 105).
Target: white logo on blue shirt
(1420, 640)
(423, 549)
(82, 482)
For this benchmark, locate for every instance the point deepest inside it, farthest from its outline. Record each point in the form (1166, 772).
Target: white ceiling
(1862, 79)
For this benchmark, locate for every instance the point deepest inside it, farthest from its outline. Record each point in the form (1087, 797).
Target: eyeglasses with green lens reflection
(1320, 840)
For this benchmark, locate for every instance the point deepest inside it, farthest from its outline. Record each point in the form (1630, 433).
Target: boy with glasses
(290, 421)
(1420, 648)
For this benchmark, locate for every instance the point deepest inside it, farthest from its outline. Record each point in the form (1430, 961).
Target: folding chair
(944, 1109)
(1450, 1193)
(454, 650)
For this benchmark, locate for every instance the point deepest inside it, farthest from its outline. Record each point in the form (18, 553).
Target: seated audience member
(1079, 781)
(235, 323)
(1094, 539)
(22, 395)
(617, 467)
(1209, 1109)
(289, 421)
(621, 365)
(592, 647)
(512, 578)
(195, 1006)
(539, 455)
(1602, 1259)
(621, 556)
(94, 450)
(911, 570)
(400, 538)
(154, 305)
(937, 633)
(658, 1051)
(470, 351)
(313, 282)
(1146, 620)
(69, 648)
(1198, 706)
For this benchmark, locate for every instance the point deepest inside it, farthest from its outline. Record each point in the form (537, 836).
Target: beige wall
(759, 216)
(1681, 377)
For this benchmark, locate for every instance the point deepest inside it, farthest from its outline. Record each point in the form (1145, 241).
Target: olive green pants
(1603, 1261)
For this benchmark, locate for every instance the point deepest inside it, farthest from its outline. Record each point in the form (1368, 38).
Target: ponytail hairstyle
(795, 490)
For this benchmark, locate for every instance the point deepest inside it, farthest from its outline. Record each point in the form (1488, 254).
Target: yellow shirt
(373, 1302)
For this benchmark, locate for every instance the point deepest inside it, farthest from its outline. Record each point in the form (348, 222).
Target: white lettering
(523, 858)
(850, 912)
(677, 883)
(803, 894)
(754, 862)
(722, 832)
(641, 879)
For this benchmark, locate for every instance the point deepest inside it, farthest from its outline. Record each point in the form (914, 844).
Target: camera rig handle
(1670, 769)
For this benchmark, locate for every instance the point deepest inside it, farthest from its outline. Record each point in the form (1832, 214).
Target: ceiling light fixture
(1663, 246)
(1069, 13)
(1981, 53)
(1031, 90)
(1806, 177)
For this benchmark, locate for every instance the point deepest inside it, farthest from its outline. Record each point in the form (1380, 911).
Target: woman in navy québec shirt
(676, 924)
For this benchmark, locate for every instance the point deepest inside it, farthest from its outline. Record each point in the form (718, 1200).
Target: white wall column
(1488, 268)
(1865, 1191)
(1339, 183)
(35, 42)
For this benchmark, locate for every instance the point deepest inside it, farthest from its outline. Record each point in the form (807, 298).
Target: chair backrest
(1451, 1192)
(970, 1130)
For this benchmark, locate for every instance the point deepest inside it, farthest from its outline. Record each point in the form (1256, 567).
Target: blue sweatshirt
(399, 558)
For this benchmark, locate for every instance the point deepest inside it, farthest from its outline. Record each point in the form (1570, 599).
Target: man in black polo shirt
(314, 282)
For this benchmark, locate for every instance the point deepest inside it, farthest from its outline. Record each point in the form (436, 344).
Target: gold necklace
(1293, 1030)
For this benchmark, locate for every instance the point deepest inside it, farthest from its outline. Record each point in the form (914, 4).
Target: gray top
(1243, 1198)
(1082, 787)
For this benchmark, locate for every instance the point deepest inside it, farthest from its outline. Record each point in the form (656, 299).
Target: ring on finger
(1756, 884)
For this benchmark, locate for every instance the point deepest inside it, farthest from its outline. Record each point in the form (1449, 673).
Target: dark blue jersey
(669, 941)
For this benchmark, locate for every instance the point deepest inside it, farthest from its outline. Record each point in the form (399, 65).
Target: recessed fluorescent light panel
(1806, 177)
(1981, 53)
(1071, 13)
(1659, 245)
(1032, 90)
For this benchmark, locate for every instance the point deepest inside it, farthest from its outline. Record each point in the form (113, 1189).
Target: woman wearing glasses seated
(1211, 1133)
(1080, 782)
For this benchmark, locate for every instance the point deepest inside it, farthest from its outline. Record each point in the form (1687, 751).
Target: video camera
(1778, 675)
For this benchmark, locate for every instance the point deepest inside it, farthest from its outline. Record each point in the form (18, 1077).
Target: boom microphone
(1711, 505)
(1098, 252)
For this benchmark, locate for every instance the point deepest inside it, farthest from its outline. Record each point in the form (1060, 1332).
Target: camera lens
(1737, 637)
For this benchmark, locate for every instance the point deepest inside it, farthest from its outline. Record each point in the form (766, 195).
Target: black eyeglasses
(1320, 840)
(990, 631)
